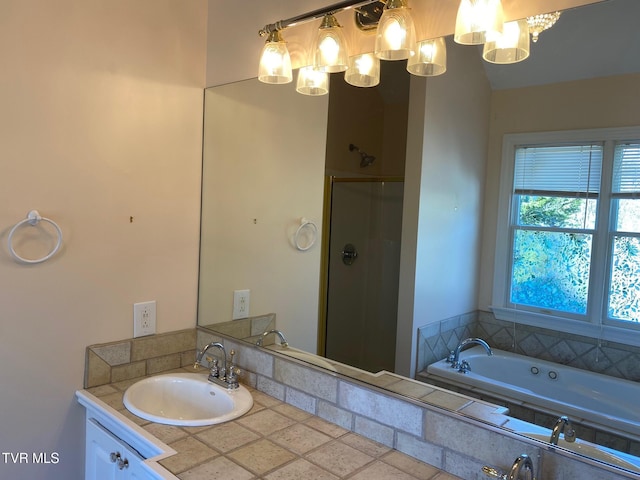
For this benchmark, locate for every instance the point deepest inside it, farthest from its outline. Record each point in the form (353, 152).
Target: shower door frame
(329, 181)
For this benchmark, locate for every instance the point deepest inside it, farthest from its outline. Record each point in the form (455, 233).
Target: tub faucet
(222, 377)
(283, 340)
(563, 424)
(454, 356)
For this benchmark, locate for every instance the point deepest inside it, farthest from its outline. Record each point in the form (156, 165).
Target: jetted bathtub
(593, 399)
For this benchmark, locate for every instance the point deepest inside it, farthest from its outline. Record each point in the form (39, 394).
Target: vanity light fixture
(275, 62)
(430, 58)
(511, 46)
(478, 19)
(330, 47)
(312, 81)
(540, 23)
(396, 34)
(477, 22)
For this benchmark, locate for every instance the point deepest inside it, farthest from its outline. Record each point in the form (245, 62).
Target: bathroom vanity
(276, 436)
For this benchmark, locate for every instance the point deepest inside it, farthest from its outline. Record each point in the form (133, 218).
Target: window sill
(575, 327)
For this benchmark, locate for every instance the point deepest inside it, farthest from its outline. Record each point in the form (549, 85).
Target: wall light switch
(240, 304)
(144, 319)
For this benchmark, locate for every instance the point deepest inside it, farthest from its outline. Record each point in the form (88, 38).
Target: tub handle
(464, 367)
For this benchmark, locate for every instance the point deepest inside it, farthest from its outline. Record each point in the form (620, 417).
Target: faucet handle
(451, 357)
(493, 472)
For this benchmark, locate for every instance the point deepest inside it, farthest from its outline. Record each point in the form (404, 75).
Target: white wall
(264, 169)
(100, 121)
(445, 171)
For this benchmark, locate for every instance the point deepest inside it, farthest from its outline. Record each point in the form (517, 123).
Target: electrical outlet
(144, 319)
(240, 304)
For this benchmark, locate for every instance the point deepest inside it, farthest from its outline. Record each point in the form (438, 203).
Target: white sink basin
(185, 399)
(308, 357)
(594, 451)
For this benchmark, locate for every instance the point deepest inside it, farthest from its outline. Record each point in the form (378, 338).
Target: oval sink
(186, 399)
(308, 357)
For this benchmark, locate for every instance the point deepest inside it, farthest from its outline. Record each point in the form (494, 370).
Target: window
(568, 245)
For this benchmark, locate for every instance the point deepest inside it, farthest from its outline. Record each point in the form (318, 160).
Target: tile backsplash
(116, 361)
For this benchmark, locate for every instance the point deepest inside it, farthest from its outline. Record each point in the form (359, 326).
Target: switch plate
(240, 304)
(144, 318)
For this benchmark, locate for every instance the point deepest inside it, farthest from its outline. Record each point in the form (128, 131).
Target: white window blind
(568, 169)
(626, 170)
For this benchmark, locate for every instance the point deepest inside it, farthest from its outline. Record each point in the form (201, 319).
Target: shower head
(365, 158)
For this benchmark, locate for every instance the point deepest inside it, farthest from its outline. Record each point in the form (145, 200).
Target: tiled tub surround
(622, 361)
(450, 442)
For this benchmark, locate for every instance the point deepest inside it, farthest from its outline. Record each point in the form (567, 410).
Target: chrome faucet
(522, 462)
(563, 425)
(454, 356)
(225, 377)
(283, 340)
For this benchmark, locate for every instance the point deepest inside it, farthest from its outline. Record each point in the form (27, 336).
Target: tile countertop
(273, 441)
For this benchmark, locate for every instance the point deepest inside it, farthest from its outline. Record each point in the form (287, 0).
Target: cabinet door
(108, 457)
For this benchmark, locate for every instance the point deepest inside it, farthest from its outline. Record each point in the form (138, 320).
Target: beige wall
(100, 121)
(446, 155)
(264, 160)
(597, 103)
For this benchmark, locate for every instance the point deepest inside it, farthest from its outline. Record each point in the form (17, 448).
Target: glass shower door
(363, 269)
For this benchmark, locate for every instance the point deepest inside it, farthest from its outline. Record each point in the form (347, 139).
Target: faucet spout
(563, 425)
(523, 462)
(225, 377)
(454, 358)
(283, 339)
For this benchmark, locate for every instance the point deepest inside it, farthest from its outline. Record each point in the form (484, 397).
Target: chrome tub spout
(454, 356)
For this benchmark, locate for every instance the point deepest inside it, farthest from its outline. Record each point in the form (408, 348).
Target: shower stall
(361, 263)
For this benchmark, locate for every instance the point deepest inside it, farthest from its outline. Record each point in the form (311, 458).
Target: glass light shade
(430, 58)
(396, 34)
(363, 71)
(312, 82)
(511, 46)
(275, 62)
(330, 47)
(476, 19)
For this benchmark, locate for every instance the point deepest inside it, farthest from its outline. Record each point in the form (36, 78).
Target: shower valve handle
(349, 254)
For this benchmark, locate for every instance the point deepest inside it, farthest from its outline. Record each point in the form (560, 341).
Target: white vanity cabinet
(116, 448)
(109, 458)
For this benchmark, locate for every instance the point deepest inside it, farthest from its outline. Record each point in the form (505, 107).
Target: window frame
(595, 323)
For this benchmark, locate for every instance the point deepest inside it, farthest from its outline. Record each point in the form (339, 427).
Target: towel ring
(305, 225)
(33, 218)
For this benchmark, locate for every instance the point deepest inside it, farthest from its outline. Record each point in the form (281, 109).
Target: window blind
(626, 168)
(567, 169)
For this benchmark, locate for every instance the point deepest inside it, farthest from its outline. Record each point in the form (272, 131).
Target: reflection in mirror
(266, 154)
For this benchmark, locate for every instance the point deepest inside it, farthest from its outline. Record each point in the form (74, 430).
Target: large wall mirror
(273, 158)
